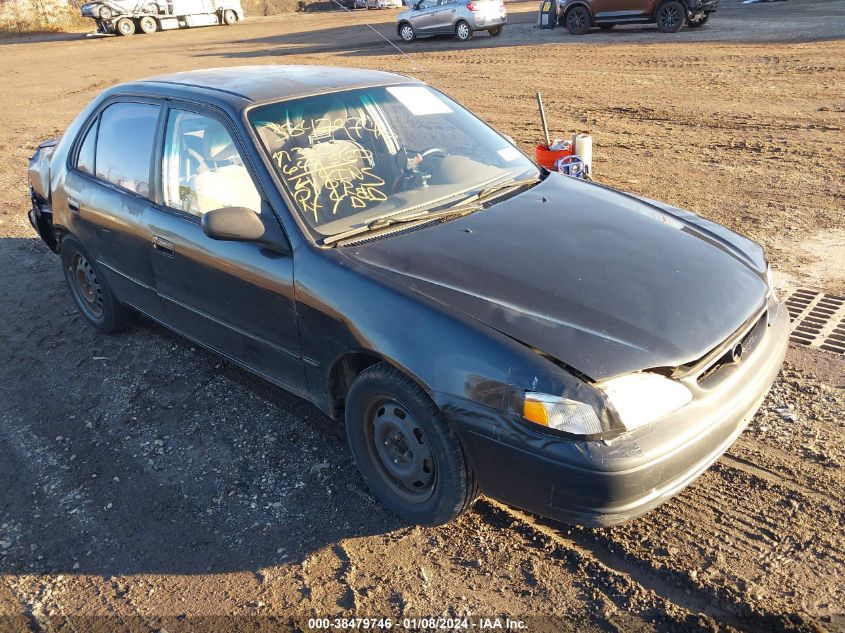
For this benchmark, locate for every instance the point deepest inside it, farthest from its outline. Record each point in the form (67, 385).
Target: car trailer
(127, 17)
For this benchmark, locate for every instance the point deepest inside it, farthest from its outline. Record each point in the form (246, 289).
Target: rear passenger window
(125, 145)
(85, 158)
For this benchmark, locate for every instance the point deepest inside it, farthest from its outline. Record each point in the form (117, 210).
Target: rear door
(109, 196)
(425, 17)
(236, 298)
(619, 10)
(447, 13)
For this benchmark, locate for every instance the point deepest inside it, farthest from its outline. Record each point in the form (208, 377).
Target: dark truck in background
(670, 16)
(126, 17)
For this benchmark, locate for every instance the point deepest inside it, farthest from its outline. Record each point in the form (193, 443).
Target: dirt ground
(145, 485)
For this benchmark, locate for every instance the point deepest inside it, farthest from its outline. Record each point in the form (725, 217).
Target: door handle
(163, 246)
(73, 205)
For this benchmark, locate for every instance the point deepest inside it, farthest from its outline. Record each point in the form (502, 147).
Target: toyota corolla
(477, 323)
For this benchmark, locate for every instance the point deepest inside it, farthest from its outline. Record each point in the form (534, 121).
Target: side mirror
(233, 224)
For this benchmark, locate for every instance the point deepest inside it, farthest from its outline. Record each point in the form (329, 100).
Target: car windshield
(350, 158)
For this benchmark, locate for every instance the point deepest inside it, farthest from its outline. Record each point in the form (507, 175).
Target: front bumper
(598, 483)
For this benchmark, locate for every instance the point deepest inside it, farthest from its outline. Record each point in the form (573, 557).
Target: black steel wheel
(670, 17)
(148, 24)
(89, 290)
(125, 26)
(463, 31)
(406, 451)
(578, 20)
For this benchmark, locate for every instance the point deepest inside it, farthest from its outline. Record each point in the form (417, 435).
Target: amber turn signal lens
(534, 411)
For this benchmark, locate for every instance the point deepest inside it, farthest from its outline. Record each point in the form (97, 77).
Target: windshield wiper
(490, 191)
(471, 204)
(385, 221)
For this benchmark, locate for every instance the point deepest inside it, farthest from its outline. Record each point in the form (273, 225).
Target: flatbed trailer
(127, 17)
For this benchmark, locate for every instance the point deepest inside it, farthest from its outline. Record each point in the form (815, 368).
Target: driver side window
(202, 169)
(427, 4)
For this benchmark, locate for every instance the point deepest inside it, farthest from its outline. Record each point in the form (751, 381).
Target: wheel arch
(348, 367)
(660, 3)
(399, 25)
(561, 19)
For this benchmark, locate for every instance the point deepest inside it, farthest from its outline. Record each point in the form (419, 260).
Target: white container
(583, 144)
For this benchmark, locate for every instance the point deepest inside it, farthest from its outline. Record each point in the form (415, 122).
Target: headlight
(561, 414)
(643, 397)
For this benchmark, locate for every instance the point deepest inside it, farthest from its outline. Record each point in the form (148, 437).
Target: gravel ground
(145, 484)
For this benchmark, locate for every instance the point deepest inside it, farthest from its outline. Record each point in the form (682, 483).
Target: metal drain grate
(818, 320)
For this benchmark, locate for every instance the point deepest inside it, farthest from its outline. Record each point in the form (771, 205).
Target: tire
(229, 17)
(125, 26)
(148, 24)
(463, 31)
(694, 24)
(105, 13)
(606, 27)
(90, 291)
(406, 451)
(670, 17)
(577, 20)
(406, 32)
(495, 31)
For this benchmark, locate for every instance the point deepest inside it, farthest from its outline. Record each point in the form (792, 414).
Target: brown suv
(669, 15)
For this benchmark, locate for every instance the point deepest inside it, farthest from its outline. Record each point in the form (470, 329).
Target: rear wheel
(125, 26)
(670, 17)
(90, 291)
(700, 21)
(463, 31)
(148, 24)
(406, 451)
(578, 20)
(495, 31)
(407, 33)
(229, 17)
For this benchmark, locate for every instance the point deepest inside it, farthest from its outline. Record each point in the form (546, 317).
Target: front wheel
(700, 21)
(463, 31)
(229, 17)
(578, 20)
(125, 26)
(406, 32)
(90, 291)
(495, 31)
(671, 17)
(406, 451)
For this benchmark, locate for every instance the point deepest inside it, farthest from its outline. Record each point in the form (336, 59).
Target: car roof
(264, 83)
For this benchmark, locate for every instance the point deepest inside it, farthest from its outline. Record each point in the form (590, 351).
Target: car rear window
(125, 145)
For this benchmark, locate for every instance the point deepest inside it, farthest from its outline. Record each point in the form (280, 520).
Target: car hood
(602, 281)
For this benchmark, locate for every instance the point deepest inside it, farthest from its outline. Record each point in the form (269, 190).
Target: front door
(234, 297)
